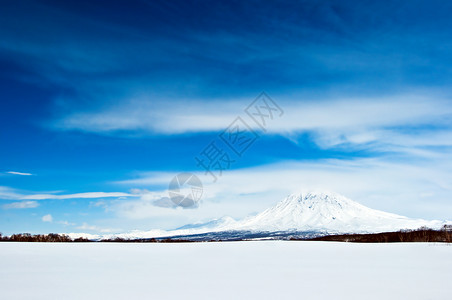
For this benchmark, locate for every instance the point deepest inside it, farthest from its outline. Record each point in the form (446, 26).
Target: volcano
(302, 215)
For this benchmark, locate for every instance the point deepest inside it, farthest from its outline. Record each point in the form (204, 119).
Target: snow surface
(228, 270)
(313, 211)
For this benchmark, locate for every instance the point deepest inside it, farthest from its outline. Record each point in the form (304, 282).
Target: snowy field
(232, 270)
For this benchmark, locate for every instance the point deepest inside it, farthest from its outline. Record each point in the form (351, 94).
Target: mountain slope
(320, 212)
(328, 212)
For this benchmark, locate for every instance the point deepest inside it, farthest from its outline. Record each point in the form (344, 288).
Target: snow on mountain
(320, 211)
(216, 225)
(313, 211)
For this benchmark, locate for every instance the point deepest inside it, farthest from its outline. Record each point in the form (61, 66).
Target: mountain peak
(315, 200)
(313, 196)
(325, 211)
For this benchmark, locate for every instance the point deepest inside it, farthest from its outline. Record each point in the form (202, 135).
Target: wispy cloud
(7, 193)
(92, 195)
(19, 173)
(21, 205)
(300, 114)
(399, 123)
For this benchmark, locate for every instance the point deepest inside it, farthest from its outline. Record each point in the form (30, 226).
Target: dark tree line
(45, 238)
(422, 234)
(63, 238)
(147, 240)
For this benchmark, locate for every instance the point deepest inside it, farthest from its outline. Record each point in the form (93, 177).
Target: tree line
(44, 238)
(63, 238)
(422, 234)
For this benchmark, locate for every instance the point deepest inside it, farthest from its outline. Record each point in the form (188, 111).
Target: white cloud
(21, 205)
(406, 123)
(8, 193)
(19, 173)
(47, 218)
(85, 226)
(299, 114)
(91, 195)
(13, 194)
(146, 115)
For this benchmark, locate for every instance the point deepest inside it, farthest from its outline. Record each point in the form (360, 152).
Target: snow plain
(227, 270)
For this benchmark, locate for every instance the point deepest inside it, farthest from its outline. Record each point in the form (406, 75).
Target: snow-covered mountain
(300, 212)
(328, 212)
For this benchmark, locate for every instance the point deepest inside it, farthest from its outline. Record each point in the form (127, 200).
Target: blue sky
(102, 104)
